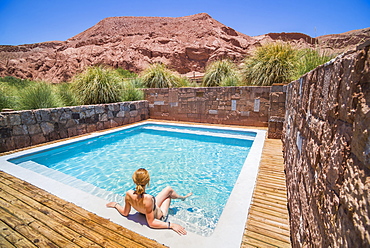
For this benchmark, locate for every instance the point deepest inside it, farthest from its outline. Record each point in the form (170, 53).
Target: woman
(154, 208)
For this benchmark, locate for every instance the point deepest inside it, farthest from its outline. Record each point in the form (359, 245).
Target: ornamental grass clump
(131, 90)
(159, 76)
(37, 96)
(4, 100)
(221, 73)
(271, 63)
(97, 85)
(309, 59)
(66, 94)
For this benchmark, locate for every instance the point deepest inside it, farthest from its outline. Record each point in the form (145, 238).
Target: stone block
(103, 117)
(20, 130)
(5, 132)
(3, 120)
(34, 129)
(47, 127)
(42, 115)
(133, 113)
(72, 131)
(14, 120)
(22, 141)
(38, 139)
(27, 117)
(99, 109)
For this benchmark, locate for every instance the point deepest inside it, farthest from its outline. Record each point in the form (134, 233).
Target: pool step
(71, 181)
(246, 136)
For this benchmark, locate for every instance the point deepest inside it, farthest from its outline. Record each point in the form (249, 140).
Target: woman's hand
(177, 228)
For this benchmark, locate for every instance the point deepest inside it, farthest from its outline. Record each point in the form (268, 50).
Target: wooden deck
(31, 217)
(268, 220)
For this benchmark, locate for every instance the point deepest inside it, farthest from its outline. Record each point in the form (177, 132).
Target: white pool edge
(229, 230)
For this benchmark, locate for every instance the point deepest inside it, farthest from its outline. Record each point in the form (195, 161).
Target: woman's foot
(184, 197)
(111, 204)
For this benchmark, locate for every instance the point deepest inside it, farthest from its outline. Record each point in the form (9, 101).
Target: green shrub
(39, 95)
(271, 63)
(131, 90)
(66, 94)
(185, 82)
(309, 59)
(97, 85)
(159, 76)
(125, 73)
(4, 100)
(16, 82)
(220, 73)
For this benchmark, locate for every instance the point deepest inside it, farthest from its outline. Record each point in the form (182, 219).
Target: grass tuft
(221, 73)
(39, 95)
(97, 85)
(159, 76)
(271, 63)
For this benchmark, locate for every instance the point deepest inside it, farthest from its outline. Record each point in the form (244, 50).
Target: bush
(309, 59)
(159, 76)
(221, 73)
(66, 95)
(271, 63)
(132, 91)
(97, 85)
(4, 101)
(39, 95)
(125, 73)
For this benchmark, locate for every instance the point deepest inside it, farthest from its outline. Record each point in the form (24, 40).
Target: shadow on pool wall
(327, 153)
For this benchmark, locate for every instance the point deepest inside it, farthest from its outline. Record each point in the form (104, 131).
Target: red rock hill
(184, 43)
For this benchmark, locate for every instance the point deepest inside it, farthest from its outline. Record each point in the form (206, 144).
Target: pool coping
(229, 230)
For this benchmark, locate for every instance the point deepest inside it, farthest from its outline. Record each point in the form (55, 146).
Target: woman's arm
(154, 223)
(122, 210)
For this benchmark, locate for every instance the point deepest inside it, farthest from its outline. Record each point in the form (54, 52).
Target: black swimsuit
(157, 211)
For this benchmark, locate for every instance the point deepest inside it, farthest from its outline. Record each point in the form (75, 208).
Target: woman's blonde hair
(141, 178)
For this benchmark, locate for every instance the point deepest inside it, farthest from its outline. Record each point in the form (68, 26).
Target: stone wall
(326, 143)
(248, 106)
(276, 111)
(31, 127)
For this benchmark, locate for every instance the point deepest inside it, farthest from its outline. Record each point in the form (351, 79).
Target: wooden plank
(268, 212)
(277, 239)
(266, 239)
(64, 206)
(16, 209)
(269, 217)
(98, 229)
(4, 242)
(278, 231)
(26, 231)
(272, 183)
(275, 203)
(272, 208)
(264, 195)
(70, 221)
(270, 222)
(252, 242)
(14, 237)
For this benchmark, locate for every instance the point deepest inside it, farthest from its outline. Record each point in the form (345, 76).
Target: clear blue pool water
(204, 161)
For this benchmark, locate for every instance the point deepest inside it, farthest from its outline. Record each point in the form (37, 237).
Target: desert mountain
(185, 44)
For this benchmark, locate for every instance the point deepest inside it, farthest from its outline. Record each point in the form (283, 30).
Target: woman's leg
(164, 198)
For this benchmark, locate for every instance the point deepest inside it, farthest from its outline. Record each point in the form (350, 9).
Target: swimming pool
(204, 160)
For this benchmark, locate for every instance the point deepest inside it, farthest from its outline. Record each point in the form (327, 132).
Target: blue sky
(32, 21)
